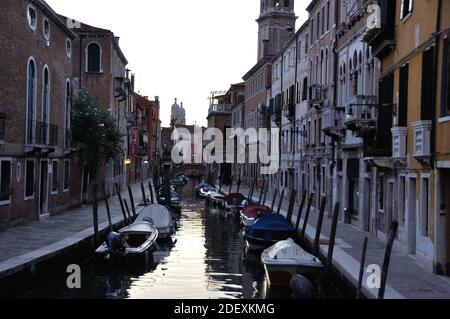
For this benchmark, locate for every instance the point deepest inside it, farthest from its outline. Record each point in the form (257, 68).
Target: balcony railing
(333, 122)
(362, 109)
(316, 94)
(382, 40)
(218, 108)
(42, 134)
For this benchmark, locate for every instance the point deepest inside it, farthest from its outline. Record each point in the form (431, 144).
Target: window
(43, 129)
(425, 206)
(328, 16)
(287, 3)
(403, 97)
(94, 54)
(305, 89)
(55, 180)
(29, 179)
(67, 115)
(406, 8)
(68, 48)
(306, 43)
(312, 31)
(46, 29)
(318, 26)
(323, 21)
(5, 181)
(31, 101)
(32, 18)
(66, 175)
(445, 100)
(427, 84)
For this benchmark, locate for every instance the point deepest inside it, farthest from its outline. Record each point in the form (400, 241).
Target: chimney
(132, 80)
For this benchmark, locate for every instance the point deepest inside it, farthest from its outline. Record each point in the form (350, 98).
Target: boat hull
(281, 275)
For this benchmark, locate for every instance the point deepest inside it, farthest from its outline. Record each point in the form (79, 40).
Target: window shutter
(401, 9)
(411, 2)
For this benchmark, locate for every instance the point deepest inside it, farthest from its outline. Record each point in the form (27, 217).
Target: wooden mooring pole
(333, 231)
(152, 198)
(308, 210)
(127, 208)
(262, 192)
(130, 193)
(300, 209)
(387, 259)
(291, 205)
(122, 206)
(95, 211)
(108, 211)
(144, 197)
(362, 267)
(275, 194)
(280, 202)
(316, 246)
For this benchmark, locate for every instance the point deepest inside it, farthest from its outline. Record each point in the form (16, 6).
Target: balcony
(42, 135)
(333, 119)
(316, 96)
(361, 114)
(382, 40)
(218, 108)
(422, 140)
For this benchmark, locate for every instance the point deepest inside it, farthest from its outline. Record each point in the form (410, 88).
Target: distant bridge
(190, 170)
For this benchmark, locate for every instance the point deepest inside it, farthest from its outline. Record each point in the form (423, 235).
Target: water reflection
(206, 258)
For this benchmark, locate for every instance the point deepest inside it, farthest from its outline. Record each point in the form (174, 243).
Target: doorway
(412, 210)
(43, 188)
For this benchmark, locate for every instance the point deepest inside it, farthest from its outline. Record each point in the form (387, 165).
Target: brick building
(99, 67)
(38, 170)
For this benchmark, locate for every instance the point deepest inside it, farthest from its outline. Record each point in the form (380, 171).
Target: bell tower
(276, 25)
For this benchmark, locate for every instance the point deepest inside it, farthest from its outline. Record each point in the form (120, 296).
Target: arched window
(94, 58)
(326, 66)
(44, 127)
(31, 101)
(321, 67)
(67, 115)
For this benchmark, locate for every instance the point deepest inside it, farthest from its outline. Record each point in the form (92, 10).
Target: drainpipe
(435, 80)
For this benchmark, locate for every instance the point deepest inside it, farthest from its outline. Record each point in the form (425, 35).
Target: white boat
(286, 259)
(159, 216)
(134, 239)
(206, 192)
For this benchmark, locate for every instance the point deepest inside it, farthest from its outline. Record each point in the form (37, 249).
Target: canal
(205, 259)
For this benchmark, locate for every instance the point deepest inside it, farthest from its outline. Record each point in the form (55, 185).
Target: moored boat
(267, 231)
(251, 213)
(132, 240)
(286, 259)
(159, 216)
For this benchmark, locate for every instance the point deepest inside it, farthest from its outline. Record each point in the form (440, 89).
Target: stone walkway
(406, 279)
(17, 242)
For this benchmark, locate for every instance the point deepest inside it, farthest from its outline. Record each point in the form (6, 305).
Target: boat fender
(115, 243)
(301, 287)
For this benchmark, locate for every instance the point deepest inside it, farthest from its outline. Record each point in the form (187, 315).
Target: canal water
(206, 258)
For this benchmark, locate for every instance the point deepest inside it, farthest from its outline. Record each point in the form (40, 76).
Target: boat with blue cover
(268, 230)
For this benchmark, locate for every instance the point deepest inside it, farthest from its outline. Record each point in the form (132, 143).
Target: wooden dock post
(152, 198)
(308, 210)
(316, 246)
(95, 210)
(108, 211)
(300, 209)
(265, 193)
(252, 191)
(231, 187)
(238, 185)
(387, 258)
(122, 206)
(275, 194)
(291, 205)
(362, 268)
(130, 193)
(280, 202)
(144, 197)
(333, 232)
(262, 191)
(127, 208)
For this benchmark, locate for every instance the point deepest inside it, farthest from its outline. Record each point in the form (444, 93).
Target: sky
(179, 48)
